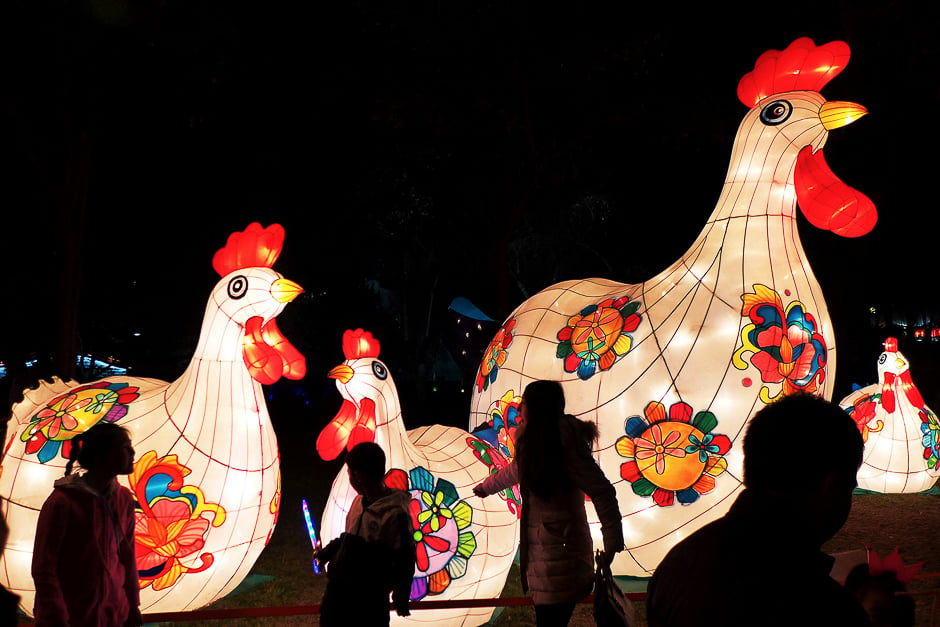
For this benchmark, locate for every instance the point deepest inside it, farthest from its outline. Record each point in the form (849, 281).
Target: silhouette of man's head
(365, 464)
(807, 450)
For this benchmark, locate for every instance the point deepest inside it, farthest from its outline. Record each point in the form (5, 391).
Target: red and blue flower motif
(52, 428)
(862, 412)
(596, 336)
(494, 443)
(674, 457)
(785, 343)
(441, 523)
(495, 355)
(168, 521)
(930, 428)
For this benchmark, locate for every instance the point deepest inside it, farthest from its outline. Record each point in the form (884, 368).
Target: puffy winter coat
(556, 553)
(83, 559)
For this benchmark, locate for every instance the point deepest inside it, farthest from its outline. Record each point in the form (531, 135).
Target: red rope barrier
(297, 610)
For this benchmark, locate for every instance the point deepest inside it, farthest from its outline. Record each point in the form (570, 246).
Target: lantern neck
(390, 431)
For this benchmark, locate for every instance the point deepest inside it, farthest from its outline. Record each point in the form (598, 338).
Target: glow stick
(312, 532)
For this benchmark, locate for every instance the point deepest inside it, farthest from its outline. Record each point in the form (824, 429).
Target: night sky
(431, 149)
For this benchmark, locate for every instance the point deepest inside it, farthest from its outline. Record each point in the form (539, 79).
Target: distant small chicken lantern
(465, 545)
(206, 482)
(902, 434)
(672, 369)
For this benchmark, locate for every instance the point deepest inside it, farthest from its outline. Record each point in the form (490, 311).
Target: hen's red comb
(359, 343)
(255, 247)
(892, 563)
(802, 66)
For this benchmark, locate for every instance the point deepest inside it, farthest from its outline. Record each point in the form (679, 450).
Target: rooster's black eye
(883, 358)
(776, 112)
(378, 368)
(237, 287)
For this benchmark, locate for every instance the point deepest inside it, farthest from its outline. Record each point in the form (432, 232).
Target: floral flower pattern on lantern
(495, 355)
(785, 343)
(505, 420)
(495, 460)
(441, 522)
(169, 523)
(675, 457)
(930, 428)
(862, 412)
(596, 336)
(51, 429)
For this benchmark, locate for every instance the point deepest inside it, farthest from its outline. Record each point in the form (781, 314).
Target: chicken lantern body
(206, 480)
(672, 369)
(902, 434)
(465, 545)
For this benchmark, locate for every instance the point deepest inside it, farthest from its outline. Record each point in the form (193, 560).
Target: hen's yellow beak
(341, 373)
(285, 290)
(837, 113)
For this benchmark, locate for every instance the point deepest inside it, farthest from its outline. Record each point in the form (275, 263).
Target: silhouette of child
(376, 554)
(83, 558)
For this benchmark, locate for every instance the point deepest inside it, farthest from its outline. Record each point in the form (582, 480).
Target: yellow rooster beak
(837, 113)
(285, 290)
(341, 373)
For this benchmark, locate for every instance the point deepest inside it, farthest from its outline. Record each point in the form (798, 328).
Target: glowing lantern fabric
(902, 434)
(206, 482)
(465, 545)
(672, 369)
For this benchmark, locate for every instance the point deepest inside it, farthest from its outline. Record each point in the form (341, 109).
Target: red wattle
(827, 202)
(294, 364)
(332, 440)
(264, 363)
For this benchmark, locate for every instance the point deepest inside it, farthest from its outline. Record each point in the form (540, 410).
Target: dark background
(420, 151)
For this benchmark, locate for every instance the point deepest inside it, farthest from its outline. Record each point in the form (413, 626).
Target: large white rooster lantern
(465, 545)
(902, 434)
(672, 369)
(206, 480)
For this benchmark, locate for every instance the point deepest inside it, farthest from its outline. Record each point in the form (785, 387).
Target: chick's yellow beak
(285, 290)
(837, 113)
(341, 373)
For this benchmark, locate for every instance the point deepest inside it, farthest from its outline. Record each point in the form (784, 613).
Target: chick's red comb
(892, 563)
(802, 66)
(359, 343)
(255, 247)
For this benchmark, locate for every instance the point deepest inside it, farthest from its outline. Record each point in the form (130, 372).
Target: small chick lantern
(902, 434)
(672, 369)
(206, 481)
(465, 545)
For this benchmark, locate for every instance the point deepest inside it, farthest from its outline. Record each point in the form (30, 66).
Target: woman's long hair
(539, 451)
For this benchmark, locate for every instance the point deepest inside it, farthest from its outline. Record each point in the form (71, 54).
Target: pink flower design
(657, 447)
(60, 415)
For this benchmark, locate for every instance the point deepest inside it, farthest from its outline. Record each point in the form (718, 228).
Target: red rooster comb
(255, 247)
(892, 563)
(359, 343)
(802, 66)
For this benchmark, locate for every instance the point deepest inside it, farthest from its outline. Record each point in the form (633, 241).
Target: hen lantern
(672, 369)
(465, 545)
(902, 434)
(206, 480)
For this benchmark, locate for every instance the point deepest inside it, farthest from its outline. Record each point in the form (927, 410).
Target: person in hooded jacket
(555, 469)
(376, 554)
(83, 557)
